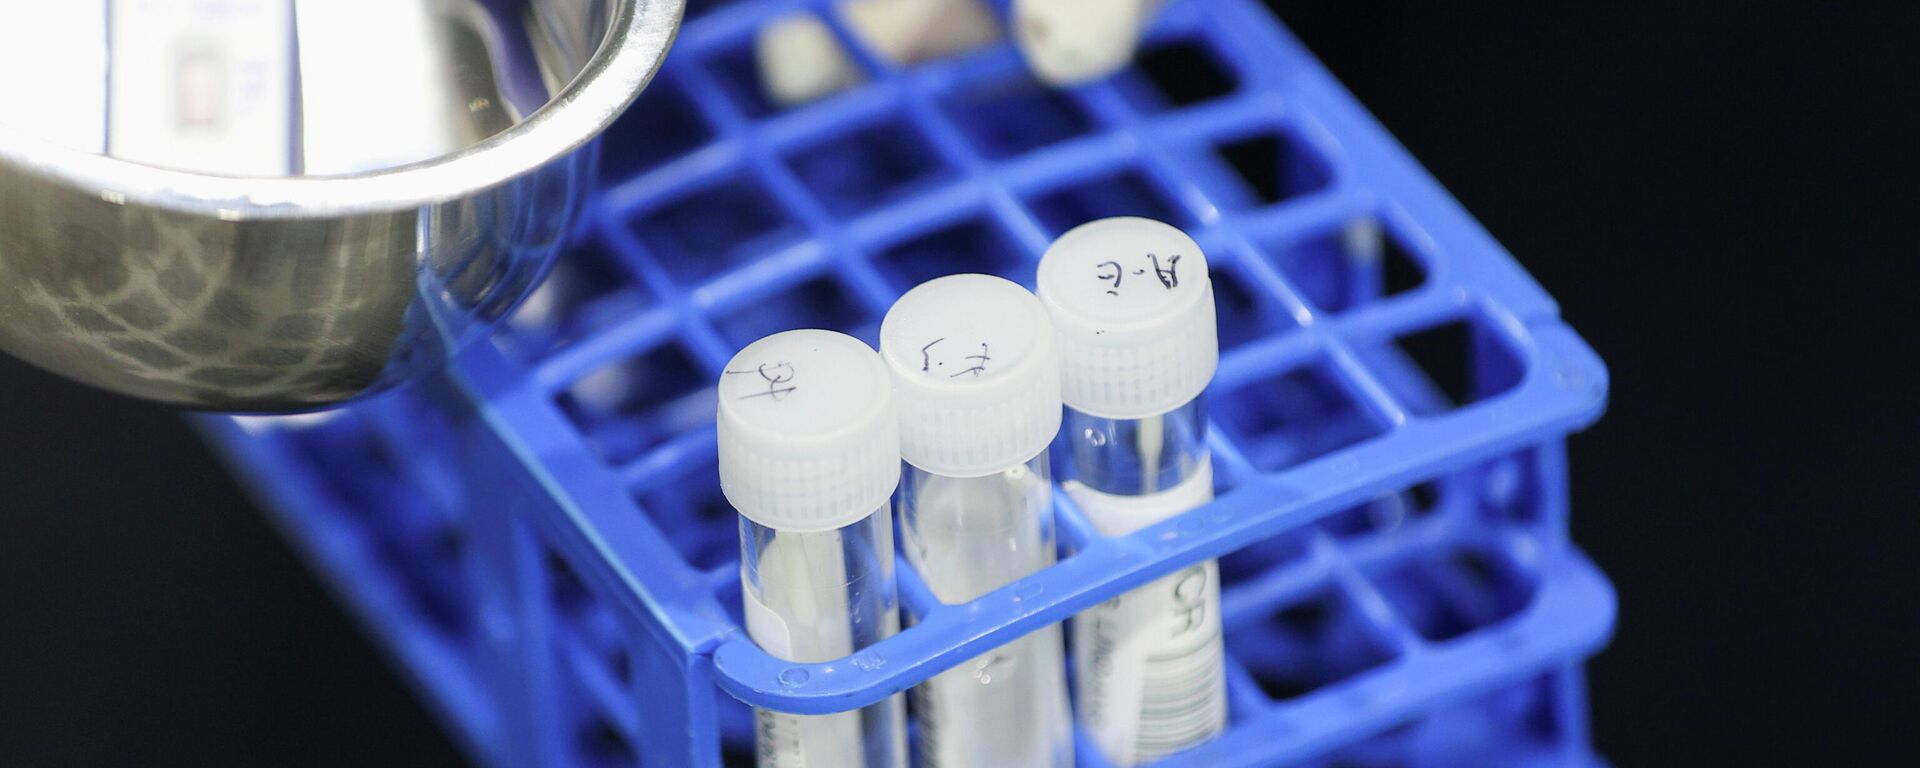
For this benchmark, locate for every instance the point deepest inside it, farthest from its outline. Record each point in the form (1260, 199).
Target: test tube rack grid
(537, 535)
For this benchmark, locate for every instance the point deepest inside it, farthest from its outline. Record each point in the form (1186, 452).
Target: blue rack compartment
(538, 538)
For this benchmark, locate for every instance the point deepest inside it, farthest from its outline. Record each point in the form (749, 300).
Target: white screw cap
(808, 437)
(1132, 308)
(1068, 42)
(909, 31)
(801, 60)
(975, 374)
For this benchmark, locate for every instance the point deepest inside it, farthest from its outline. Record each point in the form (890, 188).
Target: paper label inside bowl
(53, 72)
(203, 85)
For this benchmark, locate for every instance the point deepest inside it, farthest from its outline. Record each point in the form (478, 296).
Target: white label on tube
(1008, 706)
(804, 616)
(1114, 515)
(1151, 678)
(1003, 708)
(766, 627)
(807, 741)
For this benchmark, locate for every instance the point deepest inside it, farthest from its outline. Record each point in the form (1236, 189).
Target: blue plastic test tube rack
(538, 537)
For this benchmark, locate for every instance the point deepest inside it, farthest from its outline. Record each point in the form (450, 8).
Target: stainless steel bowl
(430, 160)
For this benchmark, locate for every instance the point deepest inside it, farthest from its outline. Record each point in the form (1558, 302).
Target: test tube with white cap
(977, 385)
(809, 456)
(1132, 308)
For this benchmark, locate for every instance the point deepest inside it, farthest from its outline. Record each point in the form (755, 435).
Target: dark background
(1716, 195)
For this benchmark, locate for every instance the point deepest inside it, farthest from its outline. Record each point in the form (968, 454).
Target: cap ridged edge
(1141, 366)
(815, 481)
(971, 427)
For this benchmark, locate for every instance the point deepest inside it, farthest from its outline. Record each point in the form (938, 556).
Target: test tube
(809, 455)
(978, 389)
(1132, 308)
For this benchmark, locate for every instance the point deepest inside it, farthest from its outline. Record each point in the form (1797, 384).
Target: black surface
(150, 616)
(1715, 194)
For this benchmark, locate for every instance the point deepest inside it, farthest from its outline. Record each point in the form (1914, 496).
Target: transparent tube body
(813, 597)
(967, 537)
(1136, 457)
(1150, 677)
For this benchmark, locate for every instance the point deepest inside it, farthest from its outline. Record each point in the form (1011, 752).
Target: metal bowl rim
(636, 44)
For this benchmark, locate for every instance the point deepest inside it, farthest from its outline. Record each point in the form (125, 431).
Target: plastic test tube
(1132, 306)
(809, 455)
(977, 384)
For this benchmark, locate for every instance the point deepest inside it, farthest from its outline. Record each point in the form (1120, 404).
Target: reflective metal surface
(375, 186)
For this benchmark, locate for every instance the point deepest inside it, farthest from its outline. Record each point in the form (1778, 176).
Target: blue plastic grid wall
(538, 535)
